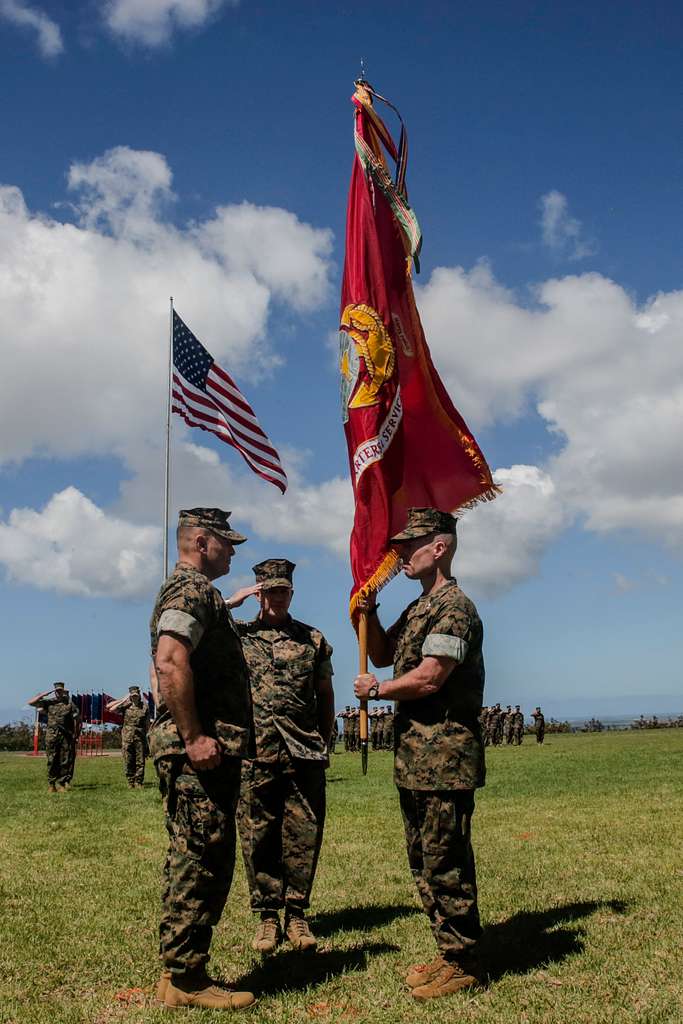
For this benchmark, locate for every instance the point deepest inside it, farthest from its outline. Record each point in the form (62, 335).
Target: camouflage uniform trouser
(518, 735)
(133, 756)
(199, 809)
(540, 733)
(280, 817)
(61, 753)
(438, 838)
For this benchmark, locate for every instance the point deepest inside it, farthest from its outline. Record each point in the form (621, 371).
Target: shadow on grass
(81, 786)
(533, 939)
(351, 919)
(292, 972)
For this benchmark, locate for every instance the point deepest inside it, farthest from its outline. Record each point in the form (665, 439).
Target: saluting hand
(204, 753)
(240, 596)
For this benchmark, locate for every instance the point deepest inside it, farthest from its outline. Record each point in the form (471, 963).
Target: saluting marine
(281, 812)
(61, 733)
(133, 734)
(539, 723)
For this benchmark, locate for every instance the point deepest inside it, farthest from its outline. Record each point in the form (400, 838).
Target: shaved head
(185, 537)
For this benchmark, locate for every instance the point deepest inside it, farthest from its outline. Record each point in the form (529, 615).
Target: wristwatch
(373, 692)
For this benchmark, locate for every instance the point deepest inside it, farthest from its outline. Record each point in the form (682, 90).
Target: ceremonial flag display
(207, 397)
(408, 445)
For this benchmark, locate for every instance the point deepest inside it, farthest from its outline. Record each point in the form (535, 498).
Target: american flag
(207, 397)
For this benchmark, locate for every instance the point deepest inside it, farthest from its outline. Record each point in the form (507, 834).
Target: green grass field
(581, 886)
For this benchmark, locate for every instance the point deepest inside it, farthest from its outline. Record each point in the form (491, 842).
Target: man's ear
(201, 542)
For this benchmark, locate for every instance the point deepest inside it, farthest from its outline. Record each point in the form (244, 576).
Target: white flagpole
(167, 467)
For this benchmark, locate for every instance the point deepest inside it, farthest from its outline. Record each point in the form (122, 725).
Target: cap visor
(232, 535)
(271, 584)
(410, 535)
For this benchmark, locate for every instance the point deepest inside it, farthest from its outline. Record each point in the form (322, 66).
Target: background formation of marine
(506, 725)
(380, 728)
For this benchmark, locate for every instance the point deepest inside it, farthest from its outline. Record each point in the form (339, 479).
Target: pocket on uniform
(300, 665)
(197, 820)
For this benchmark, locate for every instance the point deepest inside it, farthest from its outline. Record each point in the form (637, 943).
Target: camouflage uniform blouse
(134, 720)
(191, 608)
(286, 664)
(438, 740)
(62, 715)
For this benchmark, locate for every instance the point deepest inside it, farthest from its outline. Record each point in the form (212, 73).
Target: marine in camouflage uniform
(197, 745)
(539, 723)
(133, 735)
(388, 729)
(517, 726)
(436, 646)
(355, 730)
(345, 716)
(375, 724)
(508, 724)
(61, 733)
(281, 812)
(496, 725)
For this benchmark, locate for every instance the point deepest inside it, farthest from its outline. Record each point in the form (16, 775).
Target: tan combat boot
(162, 985)
(199, 990)
(299, 934)
(268, 935)
(420, 974)
(450, 978)
(51, 788)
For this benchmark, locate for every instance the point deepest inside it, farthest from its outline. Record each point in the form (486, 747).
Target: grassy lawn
(580, 874)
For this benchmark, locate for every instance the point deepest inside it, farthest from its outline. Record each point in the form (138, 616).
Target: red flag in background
(408, 445)
(110, 717)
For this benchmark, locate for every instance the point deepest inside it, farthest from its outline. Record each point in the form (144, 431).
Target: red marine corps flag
(408, 445)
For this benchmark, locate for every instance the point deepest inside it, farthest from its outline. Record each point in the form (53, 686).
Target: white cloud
(85, 307)
(562, 233)
(23, 15)
(318, 514)
(501, 542)
(71, 546)
(152, 22)
(605, 373)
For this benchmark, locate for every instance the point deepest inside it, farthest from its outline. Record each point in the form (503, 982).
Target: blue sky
(148, 152)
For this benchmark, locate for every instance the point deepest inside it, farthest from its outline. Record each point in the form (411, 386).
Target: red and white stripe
(224, 411)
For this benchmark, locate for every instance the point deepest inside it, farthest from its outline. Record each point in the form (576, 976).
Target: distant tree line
(19, 736)
(551, 725)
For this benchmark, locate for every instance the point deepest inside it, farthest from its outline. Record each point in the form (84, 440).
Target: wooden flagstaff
(362, 668)
(167, 452)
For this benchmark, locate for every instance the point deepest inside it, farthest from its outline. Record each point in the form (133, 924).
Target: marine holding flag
(413, 462)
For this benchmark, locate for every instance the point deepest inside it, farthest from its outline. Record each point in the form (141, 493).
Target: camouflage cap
(59, 686)
(423, 521)
(274, 572)
(213, 519)
(133, 689)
